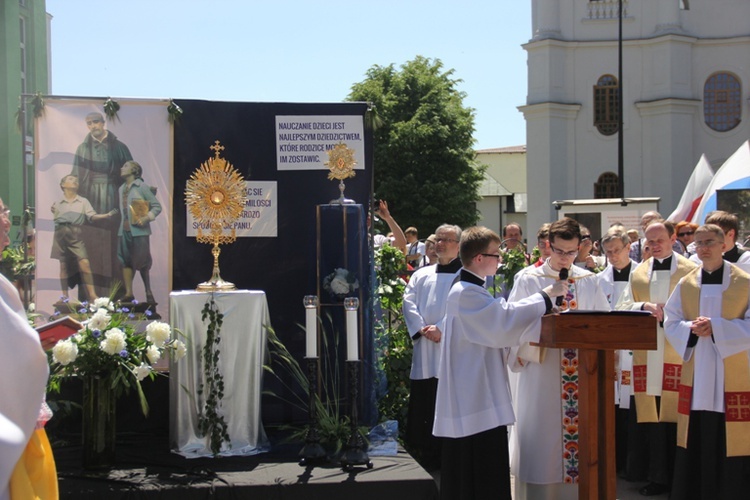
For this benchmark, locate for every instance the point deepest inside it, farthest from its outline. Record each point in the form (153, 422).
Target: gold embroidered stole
(645, 404)
(736, 368)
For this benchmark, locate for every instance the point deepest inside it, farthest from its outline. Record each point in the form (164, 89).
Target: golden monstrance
(341, 165)
(215, 195)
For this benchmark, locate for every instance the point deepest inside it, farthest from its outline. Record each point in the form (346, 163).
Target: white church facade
(685, 84)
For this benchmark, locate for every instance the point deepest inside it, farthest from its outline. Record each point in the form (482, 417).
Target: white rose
(180, 350)
(103, 303)
(65, 352)
(99, 320)
(153, 354)
(339, 286)
(114, 341)
(142, 371)
(158, 333)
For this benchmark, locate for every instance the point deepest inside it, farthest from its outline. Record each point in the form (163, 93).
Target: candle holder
(355, 451)
(312, 452)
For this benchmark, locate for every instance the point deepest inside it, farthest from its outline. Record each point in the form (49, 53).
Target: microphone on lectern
(563, 276)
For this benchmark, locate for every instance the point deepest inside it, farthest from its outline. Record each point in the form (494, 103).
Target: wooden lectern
(596, 335)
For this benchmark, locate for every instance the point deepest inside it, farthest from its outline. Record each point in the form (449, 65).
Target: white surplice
(424, 304)
(538, 447)
(624, 362)
(473, 393)
(23, 371)
(659, 293)
(729, 337)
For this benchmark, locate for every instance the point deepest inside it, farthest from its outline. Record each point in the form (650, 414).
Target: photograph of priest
(707, 321)
(424, 308)
(473, 399)
(545, 447)
(97, 164)
(656, 373)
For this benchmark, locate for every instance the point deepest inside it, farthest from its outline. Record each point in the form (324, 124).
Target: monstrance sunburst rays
(341, 165)
(215, 196)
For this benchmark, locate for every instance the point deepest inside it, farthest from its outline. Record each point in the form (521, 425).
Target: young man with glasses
(730, 225)
(473, 401)
(707, 321)
(655, 373)
(545, 459)
(424, 308)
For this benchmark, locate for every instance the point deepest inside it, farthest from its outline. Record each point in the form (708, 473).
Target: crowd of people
(487, 402)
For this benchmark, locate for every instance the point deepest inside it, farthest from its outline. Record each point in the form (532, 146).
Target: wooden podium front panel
(596, 334)
(599, 330)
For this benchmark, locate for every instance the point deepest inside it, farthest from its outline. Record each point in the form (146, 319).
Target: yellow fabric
(736, 368)
(645, 404)
(35, 475)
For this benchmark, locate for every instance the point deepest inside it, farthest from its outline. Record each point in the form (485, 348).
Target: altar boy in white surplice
(473, 398)
(707, 321)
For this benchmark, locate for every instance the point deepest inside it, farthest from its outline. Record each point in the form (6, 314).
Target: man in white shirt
(414, 248)
(707, 321)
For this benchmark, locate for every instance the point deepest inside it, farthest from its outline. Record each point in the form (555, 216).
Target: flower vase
(99, 429)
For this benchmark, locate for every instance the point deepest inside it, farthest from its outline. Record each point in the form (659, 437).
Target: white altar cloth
(242, 352)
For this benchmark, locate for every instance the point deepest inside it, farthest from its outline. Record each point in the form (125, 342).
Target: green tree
(424, 161)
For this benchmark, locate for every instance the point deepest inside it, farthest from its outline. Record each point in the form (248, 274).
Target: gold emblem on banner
(215, 196)
(341, 165)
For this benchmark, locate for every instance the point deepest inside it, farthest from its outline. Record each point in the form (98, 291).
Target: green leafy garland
(210, 422)
(513, 261)
(111, 107)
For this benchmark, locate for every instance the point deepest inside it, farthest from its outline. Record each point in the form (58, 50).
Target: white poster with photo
(258, 218)
(303, 142)
(81, 257)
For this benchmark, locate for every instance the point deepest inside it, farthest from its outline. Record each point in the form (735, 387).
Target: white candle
(352, 347)
(311, 339)
(311, 325)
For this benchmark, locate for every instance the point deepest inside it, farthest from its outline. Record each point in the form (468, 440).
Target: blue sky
(291, 50)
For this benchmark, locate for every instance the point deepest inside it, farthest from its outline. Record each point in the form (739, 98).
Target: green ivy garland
(174, 112)
(210, 422)
(111, 107)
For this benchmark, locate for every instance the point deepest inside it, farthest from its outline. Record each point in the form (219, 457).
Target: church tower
(685, 78)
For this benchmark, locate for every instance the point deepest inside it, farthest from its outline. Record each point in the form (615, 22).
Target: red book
(54, 331)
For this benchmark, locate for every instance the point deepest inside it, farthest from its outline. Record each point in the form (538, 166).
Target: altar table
(242, 353)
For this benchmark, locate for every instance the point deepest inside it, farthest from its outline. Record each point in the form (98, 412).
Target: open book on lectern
(601, 313)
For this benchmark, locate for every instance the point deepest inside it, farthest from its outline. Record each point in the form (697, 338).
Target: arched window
(722, 102)
(606, 186)
(606, 110)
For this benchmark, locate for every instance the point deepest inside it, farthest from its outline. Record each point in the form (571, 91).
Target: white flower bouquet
(109, 346)
(340, 283)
